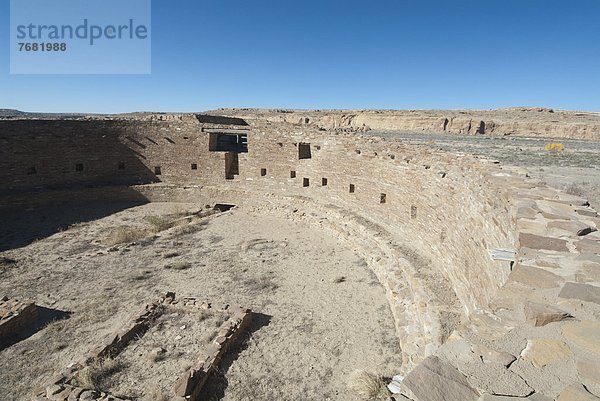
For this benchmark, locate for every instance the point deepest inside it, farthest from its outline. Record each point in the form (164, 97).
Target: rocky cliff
(530, 122)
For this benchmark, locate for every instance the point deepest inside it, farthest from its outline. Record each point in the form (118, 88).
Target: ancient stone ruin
(187, 387)
(492, 277)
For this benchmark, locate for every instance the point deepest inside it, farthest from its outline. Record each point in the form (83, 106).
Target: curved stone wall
(426, 222)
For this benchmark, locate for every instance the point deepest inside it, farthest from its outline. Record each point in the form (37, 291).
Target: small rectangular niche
(305, 182)
(304, 151)
(79, 167)
(194, 166)
(263, 172)
(292, 174)
(413, 212)
(157, 170)
(352, 188)
(31, 171)
(323, 182)
(121, 166)
(382, 198)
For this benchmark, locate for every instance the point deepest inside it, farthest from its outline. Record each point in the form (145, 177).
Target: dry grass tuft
(160, 223)
(125, 234)
(190, 228)
(96, 375)
(576, 189)
(368, 386)
(205, 314)
(260, 284)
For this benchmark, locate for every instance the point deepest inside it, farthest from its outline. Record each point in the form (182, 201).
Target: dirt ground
(320, 312)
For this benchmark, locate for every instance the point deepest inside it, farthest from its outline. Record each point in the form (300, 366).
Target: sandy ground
(320, 312)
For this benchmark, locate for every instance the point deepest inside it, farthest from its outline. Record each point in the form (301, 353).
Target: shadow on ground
(21, 228)
(217, 383)
(45, 317)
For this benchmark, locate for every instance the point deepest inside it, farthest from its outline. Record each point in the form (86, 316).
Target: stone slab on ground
(533, 241)
(583, 292)
(576, 392)
(541, 314)
(535, 277)
(436, 380)
(585, 334)
(543, 351)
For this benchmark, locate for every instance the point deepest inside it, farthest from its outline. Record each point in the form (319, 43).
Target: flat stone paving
(542, 336)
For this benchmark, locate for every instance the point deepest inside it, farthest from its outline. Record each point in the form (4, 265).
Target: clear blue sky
(341, 54)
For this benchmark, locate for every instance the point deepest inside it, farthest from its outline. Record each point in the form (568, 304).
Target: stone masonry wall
(425, 221)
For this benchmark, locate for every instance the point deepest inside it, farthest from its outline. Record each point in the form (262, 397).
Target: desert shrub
(260, 284)
(555, 147)
(125, 234)
(575, 189)
(368, 386)
(96, 375)
(160, 223)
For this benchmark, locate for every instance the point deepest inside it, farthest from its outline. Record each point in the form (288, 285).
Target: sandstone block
(585, 334)
(489, 355)
(535, 277)
(436, 380)
(576, 392)
(533, 241)
(496, 379)
(541, 315)
(589, 372)
(588, 245)
(583, 292)
(543, 351)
